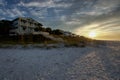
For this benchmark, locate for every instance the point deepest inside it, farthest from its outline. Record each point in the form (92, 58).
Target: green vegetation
(5, 26)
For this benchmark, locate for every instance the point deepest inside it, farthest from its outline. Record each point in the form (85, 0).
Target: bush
(57, 32)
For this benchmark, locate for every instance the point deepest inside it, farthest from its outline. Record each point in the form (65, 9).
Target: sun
(92, 34)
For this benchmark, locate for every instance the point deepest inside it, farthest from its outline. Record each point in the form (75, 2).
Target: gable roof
(28, 19)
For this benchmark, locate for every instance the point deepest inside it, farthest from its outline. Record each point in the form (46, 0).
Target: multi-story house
(24, 26)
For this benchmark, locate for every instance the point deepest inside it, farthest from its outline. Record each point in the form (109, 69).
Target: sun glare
(92, 34)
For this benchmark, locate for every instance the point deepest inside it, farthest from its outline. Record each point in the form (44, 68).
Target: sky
(78, 16)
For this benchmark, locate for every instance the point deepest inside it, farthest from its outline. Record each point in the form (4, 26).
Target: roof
(28, 19)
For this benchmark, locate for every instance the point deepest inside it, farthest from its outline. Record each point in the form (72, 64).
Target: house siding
(24, 26)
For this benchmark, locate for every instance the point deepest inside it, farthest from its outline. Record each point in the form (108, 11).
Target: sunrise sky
(82, 17)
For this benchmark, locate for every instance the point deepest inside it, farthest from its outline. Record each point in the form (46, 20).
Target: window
(24, 28)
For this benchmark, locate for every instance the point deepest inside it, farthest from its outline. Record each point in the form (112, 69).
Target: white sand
(102, 63)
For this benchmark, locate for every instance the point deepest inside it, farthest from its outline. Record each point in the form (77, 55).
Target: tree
(5, 27)
(39, 29)
(49, 30)
(57, 32)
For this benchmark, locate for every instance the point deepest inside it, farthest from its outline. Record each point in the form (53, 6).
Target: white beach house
(24, 26)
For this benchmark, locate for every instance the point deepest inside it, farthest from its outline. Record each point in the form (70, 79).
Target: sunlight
(92, 34)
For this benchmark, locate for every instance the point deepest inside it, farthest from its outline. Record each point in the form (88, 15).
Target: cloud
(72, 22)
(3, 3)
(18, 12)
(79, 16)
(93, 7)
(98, 16)
(106, 4)
(63, 18)
(13, 13)
(47, 4)
(58, 11)
(103, 7)
(1, 10)
(105, 26)
(41, 13)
